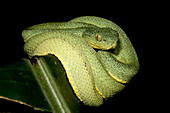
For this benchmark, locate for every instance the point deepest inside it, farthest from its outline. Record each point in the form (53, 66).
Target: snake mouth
(103, 47)
(113, 46)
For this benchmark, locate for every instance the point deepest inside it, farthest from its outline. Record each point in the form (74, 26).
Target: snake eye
(98, 37)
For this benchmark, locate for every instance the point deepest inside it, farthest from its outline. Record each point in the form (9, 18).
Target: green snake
(96, 53)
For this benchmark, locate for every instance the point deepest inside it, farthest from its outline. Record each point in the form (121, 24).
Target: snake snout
(114, 45)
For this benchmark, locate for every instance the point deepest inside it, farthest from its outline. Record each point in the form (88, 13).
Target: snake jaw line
(102, 46)
(99, 47)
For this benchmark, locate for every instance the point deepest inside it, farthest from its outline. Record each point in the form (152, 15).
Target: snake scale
(96, 53)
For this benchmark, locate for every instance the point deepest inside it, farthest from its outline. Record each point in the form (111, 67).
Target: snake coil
(93, 75)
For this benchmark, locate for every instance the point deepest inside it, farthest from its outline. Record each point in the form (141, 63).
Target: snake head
(101, 38)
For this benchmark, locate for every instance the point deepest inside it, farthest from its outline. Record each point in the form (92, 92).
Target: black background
(136, 19)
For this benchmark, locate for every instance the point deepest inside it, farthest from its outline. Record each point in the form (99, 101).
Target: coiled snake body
(93, 75)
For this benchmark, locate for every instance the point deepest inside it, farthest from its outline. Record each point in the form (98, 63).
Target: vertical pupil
(98, 37)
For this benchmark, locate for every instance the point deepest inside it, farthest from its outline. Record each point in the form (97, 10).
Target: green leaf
(17, 83)
(42, 84)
